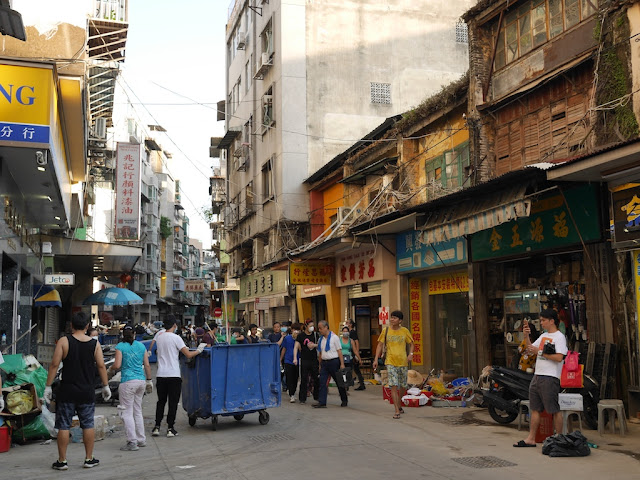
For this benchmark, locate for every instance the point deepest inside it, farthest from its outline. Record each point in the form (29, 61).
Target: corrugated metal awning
(467, 218)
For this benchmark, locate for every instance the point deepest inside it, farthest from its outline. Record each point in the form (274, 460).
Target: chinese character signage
(195, 285)
(360, 265)
(13, 132)
(626, 216)
(127, 212)
(307, 273)
(636, 277)
(263, 284)
(550, 225)
(415, 320)
(26, 96)
(383, 316)
(450, 283)
(413, 254)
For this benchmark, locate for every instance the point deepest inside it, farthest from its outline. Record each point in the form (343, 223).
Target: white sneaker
(293, 399)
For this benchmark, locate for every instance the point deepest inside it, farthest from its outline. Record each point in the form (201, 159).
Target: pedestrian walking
(306, 344)
(168, 379)
(550, 348)
(331, 360)
(290, 357)
(395, 340)
(81, 358)
(135, 381)
(356, 349)
(348, 352)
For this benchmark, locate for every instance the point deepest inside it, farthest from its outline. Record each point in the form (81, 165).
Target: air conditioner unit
(343, 213)
(101, 127)
(242, 40)
(265, 58)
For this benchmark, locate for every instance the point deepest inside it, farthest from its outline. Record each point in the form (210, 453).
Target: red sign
(383, 315)
(217, 312)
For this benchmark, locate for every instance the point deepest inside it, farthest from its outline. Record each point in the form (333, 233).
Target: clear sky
(175, 61)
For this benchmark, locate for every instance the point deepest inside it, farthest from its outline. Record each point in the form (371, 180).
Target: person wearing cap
(135, 381)
(199, 335)
(168, 378)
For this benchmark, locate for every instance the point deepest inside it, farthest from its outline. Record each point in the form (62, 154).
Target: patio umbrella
(46, 296)
(113, 296)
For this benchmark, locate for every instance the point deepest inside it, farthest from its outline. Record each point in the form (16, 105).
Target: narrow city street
(361, 441)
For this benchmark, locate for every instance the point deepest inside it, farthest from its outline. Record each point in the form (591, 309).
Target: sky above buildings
(174, 73)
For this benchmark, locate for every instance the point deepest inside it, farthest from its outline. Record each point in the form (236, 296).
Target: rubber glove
(148, 387)
(106, 393)
(200, 348)
(48, 394)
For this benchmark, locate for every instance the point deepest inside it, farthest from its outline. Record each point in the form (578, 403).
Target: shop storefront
(265, 298)
(316, 294)
(438, 301)
(551, 259)
(367, 281)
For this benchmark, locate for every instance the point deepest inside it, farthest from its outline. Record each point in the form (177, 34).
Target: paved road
(360, 441)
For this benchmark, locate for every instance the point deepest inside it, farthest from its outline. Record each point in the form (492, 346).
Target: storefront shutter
(372, 289)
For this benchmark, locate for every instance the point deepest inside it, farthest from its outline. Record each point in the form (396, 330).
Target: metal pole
(15, 327)
(226, 315)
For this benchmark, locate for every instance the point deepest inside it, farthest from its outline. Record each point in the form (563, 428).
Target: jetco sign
(60, 279)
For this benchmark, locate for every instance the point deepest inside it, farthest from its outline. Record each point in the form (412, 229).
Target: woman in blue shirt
(131, 358)
(291, 368)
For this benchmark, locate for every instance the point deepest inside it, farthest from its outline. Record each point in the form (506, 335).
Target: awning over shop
(376, 168)
(229, 137)
(397, 225)
(46, 296)
(470, 217)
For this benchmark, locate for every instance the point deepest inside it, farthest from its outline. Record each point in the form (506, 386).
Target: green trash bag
(33, 430)
(13, 363)
(18, 374)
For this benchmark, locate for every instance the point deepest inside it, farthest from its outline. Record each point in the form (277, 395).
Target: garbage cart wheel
(214, 422)
(192, 421)
(263, 417)
(239, 417)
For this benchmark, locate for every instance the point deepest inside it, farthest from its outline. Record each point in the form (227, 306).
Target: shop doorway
(365, 313)
(450, 332)
(318, 308)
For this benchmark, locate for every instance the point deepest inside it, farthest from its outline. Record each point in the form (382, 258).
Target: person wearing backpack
(394, 342)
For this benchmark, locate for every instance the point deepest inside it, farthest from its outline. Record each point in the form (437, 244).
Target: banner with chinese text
(310, 273)
(127, 185)
(549, 226)
(449, 283)
(415, 315)
(194, 285)
(360, 265)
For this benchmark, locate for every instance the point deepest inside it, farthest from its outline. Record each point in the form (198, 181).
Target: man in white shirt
(551, 348)
(168, 378)
(331, 360)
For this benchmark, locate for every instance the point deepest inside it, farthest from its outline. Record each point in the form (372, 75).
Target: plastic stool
(566, 418)
(522, 412)
(615, 406)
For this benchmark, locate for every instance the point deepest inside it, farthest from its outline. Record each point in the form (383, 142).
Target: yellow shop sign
(25, 94)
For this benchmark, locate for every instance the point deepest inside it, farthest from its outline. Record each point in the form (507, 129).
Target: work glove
(106, 393)
(148, 387)
(200, 348)
(48, 394)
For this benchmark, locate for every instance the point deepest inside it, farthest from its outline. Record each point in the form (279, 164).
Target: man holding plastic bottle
(551, 348)
(81, 356)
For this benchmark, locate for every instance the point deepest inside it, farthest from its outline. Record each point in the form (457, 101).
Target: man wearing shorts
(395, 339)
(551, 348)
(81, 355)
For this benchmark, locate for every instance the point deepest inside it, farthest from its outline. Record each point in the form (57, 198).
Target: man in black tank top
(81, 355)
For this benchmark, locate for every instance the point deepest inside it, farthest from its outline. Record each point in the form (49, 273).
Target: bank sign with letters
(413, 254)
(60, 279)
(26, 112)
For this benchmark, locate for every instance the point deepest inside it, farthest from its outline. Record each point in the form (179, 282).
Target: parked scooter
(507, 387)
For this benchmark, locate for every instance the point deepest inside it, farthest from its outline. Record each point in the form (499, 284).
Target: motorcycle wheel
(590, 413)
(501, 416)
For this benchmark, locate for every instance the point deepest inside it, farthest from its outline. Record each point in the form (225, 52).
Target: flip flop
(522, 444)
(401, 410)
(396, 416)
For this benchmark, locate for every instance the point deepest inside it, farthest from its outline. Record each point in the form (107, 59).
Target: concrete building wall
(634, 26)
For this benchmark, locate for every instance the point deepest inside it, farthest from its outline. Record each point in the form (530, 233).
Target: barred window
(461, 33)
(381, 93)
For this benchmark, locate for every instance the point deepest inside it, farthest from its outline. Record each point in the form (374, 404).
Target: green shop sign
(548, 226)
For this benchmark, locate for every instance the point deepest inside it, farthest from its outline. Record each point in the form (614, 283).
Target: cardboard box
(571, 401)
(99, 425)
(37, 405)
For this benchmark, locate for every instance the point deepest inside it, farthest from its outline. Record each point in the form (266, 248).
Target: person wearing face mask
(306, 344)
(290, 358)
(92, 332)
(348, 351)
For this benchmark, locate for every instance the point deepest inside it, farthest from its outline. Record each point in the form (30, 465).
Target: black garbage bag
(573, 444)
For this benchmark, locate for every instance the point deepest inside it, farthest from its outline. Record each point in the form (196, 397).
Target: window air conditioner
(343, 212)
(265, 58)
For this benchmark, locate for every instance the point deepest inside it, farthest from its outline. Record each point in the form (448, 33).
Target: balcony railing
(114, 10)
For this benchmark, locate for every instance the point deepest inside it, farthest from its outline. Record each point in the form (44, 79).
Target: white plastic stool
(566, 418)
(615, 406)
(522, 412)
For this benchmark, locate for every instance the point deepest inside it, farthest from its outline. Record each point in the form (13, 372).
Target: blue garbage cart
(152, 358)
(232, 380)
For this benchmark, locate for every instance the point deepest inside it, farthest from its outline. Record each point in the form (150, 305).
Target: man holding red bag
(551, 348)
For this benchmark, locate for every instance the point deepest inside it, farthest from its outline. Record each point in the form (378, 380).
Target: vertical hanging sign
(415, 316)
(127, 214)
(636, 278)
